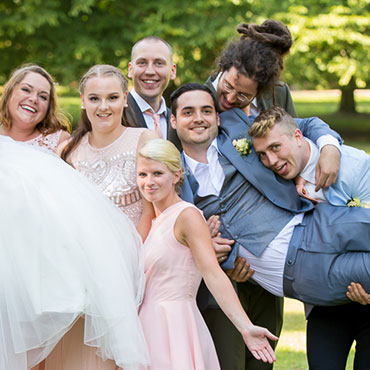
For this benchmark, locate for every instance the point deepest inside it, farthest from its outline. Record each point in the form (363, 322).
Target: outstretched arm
(191, 230)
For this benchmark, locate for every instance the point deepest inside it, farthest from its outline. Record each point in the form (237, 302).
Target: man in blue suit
(281, 147)
(257, 209)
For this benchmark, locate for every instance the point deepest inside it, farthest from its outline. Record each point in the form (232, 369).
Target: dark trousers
(263, 308)
(331, 331)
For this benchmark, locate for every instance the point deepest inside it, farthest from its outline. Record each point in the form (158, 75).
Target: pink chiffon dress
(176, 334)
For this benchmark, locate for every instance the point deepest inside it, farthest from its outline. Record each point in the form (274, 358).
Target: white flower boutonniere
(242, 146)
(356, 202)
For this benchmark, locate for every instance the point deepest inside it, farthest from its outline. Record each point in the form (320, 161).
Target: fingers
(358, 294)
(241, 271)
(213, 225)
(221, 258)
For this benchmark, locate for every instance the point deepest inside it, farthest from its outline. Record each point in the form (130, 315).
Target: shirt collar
(192, 163)
(143, 104)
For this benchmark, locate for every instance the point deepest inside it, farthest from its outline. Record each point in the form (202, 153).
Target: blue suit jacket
(235, 125)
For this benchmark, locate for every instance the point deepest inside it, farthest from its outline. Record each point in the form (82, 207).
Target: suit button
(290, 262)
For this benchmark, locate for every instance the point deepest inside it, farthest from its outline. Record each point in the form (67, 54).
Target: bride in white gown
(65, 251)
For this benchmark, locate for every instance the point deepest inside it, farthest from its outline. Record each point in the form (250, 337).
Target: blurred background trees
(330, 50)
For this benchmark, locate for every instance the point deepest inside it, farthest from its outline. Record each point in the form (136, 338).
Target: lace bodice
(113, 169)
(49, 142)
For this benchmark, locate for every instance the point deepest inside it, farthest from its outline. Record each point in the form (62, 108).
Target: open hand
(256, 339)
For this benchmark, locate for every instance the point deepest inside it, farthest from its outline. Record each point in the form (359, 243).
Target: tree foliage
(331, 47)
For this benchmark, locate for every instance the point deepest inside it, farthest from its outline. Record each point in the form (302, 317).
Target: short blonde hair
(268, 119)
(165, 152)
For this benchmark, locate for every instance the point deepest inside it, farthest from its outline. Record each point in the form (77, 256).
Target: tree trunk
(347, 100)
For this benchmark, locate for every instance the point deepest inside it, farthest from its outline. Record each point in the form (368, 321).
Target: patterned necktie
(157, 121)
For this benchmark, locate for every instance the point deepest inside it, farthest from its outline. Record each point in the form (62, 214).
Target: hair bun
(271, 32)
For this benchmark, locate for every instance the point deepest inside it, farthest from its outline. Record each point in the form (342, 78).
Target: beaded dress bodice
(113, 169)
(49, 142)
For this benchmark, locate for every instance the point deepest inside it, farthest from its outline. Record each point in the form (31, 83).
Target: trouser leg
(263, 308)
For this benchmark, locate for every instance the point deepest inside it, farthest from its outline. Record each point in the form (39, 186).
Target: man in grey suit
(151, 68)
(256, 208)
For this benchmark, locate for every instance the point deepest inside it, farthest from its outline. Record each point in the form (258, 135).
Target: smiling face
(29, 101)
(156, 182)
(235, 90)
(151, 69)
(104, 100)
(280, 152)
(196, 120)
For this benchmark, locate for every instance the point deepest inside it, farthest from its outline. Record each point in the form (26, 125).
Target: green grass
(291, 349)
(354, 128)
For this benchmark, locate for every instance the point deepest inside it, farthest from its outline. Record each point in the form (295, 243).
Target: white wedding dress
(65, 251)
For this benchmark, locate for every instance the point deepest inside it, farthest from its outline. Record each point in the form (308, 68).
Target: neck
(99, 139)
(154, 102)
(197, 152)
(162, 205)
(306, 152)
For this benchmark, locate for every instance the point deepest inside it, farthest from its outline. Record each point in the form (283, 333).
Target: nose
(149, 68)
(272, 159)
(231, 97)
(34, 97)
(103, 104)
(198, 116)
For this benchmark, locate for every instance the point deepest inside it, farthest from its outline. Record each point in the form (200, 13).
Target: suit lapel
(134, 115)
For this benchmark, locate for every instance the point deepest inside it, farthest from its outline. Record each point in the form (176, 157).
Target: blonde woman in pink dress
(29, 109)
(103, 150)
(178, 252)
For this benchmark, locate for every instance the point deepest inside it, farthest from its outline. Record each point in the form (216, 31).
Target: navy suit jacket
(133, 117)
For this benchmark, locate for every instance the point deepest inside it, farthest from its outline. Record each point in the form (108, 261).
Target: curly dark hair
(258, 53)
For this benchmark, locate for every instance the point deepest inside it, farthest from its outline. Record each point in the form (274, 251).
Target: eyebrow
(203, 106)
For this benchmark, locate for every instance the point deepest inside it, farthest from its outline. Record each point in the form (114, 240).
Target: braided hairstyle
(258, 53)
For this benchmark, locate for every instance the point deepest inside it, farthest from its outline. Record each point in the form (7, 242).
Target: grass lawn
(291, 349)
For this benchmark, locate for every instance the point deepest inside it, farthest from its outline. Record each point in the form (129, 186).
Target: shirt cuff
(328, 140)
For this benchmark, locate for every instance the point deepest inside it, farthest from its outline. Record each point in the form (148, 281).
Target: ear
(173, 121)
(298, 136)
(129, 74)
(173, 72)
(218, 119)
(177, 176)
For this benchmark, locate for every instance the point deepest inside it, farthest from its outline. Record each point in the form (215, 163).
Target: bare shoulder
(189, 221)
(62, 143)
(63, 137)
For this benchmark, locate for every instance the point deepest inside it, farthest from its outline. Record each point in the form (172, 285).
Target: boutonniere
(356, 202)
(242, 146)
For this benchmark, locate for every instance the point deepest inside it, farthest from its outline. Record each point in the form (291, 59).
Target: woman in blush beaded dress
(65, 251)
(177, 253)
(104, 151)
(29, 109)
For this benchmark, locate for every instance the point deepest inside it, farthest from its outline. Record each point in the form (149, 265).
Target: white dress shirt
(162, 111)
(210, 176)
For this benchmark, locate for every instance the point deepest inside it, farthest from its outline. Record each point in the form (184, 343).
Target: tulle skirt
(65, 251)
